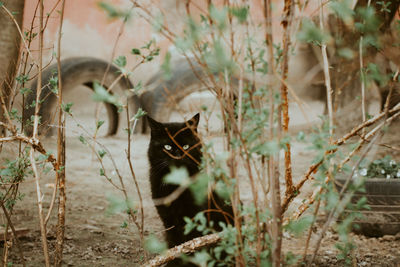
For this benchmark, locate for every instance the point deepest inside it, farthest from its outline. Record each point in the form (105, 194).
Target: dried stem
(362, 76)
(9, 223)
(273, 170)
(60, 174)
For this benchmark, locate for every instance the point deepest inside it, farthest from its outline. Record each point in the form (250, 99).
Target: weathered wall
(88, 32)
(9, 48)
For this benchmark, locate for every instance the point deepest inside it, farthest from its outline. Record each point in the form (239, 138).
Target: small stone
(329, 252)
(397, 236)
(388, 238)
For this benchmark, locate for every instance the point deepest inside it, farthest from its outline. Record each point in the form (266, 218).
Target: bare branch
(185, 248)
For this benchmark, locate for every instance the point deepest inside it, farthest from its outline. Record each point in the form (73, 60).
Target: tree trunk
(345, 73)
(9, 48)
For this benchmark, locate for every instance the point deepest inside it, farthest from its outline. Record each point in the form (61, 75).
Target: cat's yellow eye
(185, 147)
(167, 147)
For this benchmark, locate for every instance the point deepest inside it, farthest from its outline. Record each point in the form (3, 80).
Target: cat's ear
(194, 121)
(154, 125)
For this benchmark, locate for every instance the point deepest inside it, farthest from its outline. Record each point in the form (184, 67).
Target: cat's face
(175, 144)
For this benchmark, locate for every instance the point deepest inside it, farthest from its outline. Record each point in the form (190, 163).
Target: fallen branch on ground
(185, 248)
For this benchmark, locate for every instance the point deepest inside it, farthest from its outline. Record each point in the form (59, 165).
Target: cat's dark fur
(160, 165)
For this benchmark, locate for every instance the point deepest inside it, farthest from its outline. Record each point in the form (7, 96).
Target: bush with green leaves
(385, 167)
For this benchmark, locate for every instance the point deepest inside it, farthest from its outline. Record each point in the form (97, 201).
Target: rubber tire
(383, 196)
(184, 81)
(74, 72)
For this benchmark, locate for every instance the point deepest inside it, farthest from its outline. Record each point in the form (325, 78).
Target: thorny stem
(287, 23)
(60, 174)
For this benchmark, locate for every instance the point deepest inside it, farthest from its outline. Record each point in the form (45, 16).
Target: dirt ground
(94, 237)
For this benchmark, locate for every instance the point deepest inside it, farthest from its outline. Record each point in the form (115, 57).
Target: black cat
(163, 154)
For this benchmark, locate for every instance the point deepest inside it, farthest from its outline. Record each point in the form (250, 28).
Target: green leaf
(310, 33)
(241, 13)
(67, 107)
(25, 91)
(99, 124)
(120, 61)
(189, 226)
(374, 72)
(113, 12)
(199, 188)
(219, 16)
(300, 136)
(102, 153)
(82, 139)
(299, 226)
(218, 60)
(137, 88)
(343, 9)
(140, 113)
(346, 53)
(267, 148)
(135, 51)
(201, 258)
(118, 205)
(22, 79)
(177, 176)
(148, 45)
(153, 245)
(166, 66)
(124, 225)
(102, 95)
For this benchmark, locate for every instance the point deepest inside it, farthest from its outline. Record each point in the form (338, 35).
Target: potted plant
(382, 191)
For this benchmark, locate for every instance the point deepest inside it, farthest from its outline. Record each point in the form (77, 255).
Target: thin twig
(128, 155)
(34, 136)
(326, 73)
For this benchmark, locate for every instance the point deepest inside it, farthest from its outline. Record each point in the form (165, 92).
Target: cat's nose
(178, 152)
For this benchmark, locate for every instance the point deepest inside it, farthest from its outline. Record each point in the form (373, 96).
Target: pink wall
(88, 32)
